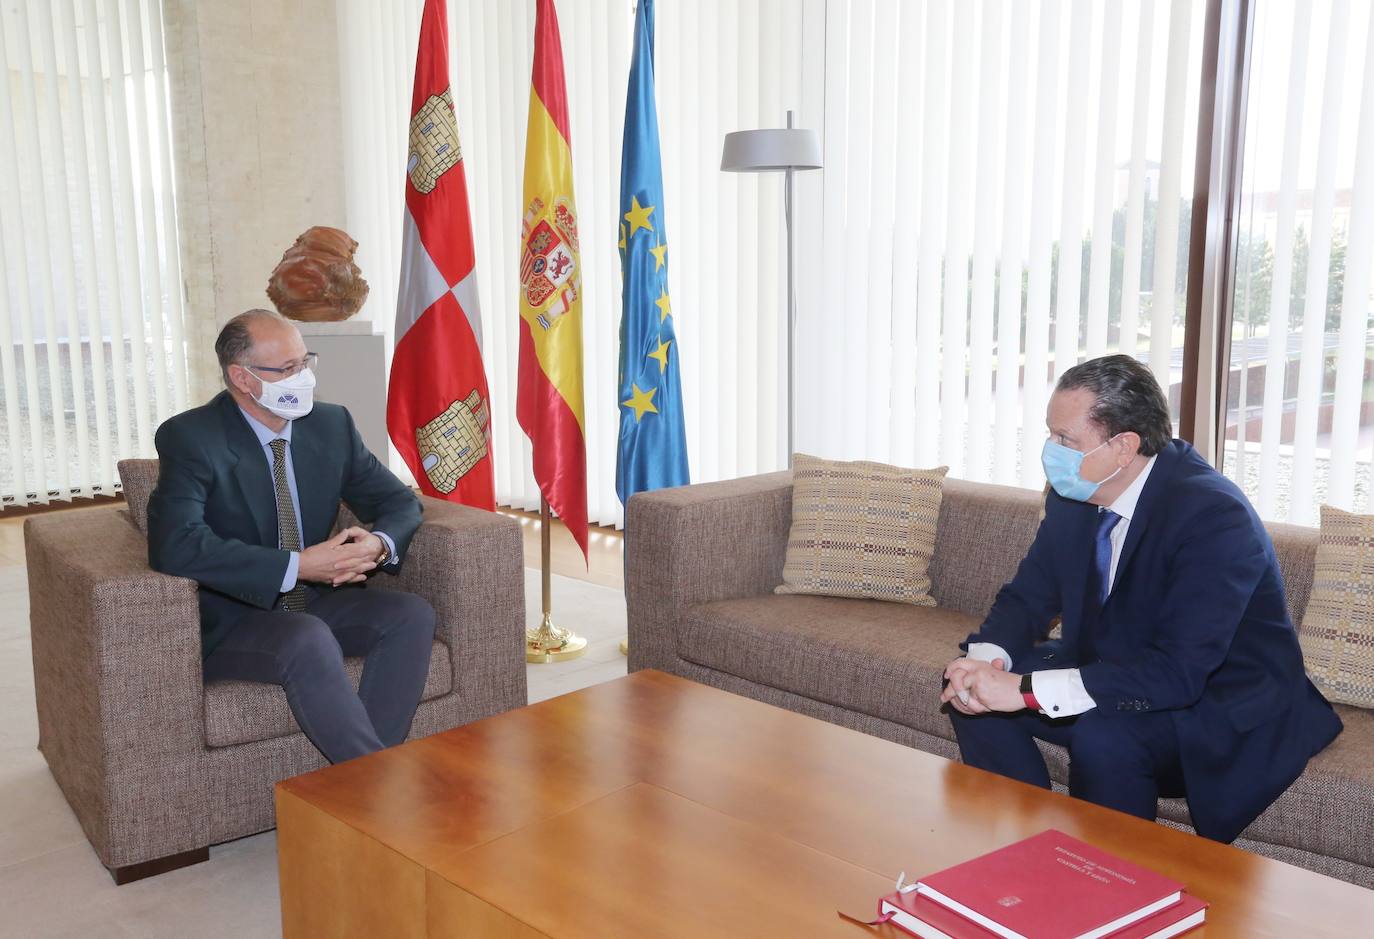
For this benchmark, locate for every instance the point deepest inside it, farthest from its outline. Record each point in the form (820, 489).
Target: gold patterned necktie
(287, 532)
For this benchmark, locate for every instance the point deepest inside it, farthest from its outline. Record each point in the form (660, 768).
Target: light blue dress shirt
(265, 437)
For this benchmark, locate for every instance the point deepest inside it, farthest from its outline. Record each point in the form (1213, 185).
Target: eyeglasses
(290, 369)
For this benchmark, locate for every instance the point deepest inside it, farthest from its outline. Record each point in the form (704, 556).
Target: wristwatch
(385, 555)
(1028, 692)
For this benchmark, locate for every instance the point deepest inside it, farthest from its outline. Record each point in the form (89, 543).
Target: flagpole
(546, 556)
(549, 643)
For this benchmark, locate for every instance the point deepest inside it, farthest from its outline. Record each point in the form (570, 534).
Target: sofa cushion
(881, 659)
(1329, 810)
(1338, 784)
(245, 711)
(1337, 631)
(862, 529)
(138, 478)
(984, 533)
(1296, 547)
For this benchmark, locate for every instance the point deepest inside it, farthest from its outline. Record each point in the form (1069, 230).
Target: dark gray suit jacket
(213, 515)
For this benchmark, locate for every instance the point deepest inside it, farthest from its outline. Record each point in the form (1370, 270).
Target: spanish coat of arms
(548, 263)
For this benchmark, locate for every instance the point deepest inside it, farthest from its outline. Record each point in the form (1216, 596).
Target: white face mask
(291, 397)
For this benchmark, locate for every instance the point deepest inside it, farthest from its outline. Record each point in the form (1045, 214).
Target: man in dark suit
(248, 490)
(1179, 672)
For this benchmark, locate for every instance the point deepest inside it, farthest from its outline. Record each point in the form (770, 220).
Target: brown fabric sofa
(158, 766)
(702, 562)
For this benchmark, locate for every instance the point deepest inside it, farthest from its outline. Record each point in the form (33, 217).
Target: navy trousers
(1122, 761)
(304, 653)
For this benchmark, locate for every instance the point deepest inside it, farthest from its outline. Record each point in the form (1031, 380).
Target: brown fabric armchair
(159, 766)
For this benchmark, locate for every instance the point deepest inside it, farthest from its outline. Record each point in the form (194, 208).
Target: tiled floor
(50, 881)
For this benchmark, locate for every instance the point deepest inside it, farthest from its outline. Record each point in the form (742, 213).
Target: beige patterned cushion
(862, 530)
(1337, 631)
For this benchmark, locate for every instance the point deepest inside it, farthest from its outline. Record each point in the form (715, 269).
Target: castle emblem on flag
(453, 443)
(434, 148)
(548, 263)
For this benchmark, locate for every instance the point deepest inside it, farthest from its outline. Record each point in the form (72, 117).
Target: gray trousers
(304, 653)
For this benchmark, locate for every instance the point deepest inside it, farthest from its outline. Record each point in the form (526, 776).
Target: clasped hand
(976, 687)
(345, 558)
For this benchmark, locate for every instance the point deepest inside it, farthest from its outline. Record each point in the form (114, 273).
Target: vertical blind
(721, 66)
(1300, 417)
(491, 48)
(91, 351)
(1005, 194)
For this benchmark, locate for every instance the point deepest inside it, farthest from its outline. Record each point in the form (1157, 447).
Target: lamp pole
(767, 151)
(791, 308)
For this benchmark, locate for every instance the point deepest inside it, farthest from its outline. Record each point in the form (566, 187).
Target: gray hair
(235, 340)
(1128, 399)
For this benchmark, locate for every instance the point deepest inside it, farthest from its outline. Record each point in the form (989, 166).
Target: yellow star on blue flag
(638, 216)
(640, 402)
(661, 355)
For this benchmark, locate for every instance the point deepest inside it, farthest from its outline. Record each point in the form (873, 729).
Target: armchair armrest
(105, 623)
(116, 660)
(698, 544)
(470, 565)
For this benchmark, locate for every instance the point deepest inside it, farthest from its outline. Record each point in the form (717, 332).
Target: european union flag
(653, 438)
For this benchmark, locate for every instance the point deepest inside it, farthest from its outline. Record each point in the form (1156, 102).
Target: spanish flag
(548, 401)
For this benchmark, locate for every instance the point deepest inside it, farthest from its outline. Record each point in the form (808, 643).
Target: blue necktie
(1102, 552)
(1099, 578)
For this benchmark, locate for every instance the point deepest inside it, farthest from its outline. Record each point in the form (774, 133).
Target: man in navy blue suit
(1178, 672)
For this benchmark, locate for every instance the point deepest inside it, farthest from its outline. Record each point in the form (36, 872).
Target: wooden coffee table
(654, 806)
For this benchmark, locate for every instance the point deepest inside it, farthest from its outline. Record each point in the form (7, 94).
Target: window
(1007, 192)
(91, 352)
(1300, 387)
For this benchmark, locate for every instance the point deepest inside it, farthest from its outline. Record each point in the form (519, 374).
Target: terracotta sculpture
(317, 280)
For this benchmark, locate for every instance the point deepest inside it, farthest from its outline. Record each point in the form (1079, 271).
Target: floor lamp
(768, 151)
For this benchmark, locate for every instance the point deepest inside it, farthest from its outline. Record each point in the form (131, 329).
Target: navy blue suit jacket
(1195, 626)
(213, 515)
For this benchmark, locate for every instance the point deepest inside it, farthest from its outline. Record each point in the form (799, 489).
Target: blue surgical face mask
(1062, 465)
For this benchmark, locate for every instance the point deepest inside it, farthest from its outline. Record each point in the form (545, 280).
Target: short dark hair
(235, 340)
(1128, 399)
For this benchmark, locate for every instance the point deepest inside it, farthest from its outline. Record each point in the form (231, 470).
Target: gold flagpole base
(624, 647)
(550, 643)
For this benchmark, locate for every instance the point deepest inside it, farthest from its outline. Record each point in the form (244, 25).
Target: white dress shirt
(265, 437)
(1060, 691)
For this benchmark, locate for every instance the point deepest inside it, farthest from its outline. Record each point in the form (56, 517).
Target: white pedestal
(352, 372)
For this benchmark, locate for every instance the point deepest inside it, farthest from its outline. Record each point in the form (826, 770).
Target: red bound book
(923, 917)
(1170, 921)
(1050, 886)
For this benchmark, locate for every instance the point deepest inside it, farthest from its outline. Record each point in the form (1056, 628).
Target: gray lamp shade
(774, 149)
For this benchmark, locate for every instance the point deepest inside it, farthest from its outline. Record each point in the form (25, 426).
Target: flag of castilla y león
(549, 397)
(438, 410)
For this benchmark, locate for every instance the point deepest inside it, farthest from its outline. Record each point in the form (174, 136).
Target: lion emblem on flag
(549, 274)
